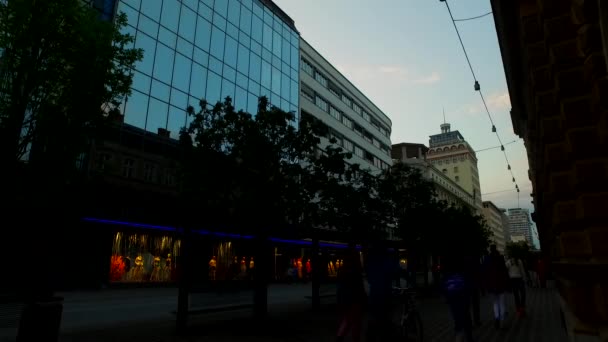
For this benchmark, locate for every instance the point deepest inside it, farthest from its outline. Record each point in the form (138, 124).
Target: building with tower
(450, 153)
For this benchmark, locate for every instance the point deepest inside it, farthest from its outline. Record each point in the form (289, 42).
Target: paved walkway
(291, 320)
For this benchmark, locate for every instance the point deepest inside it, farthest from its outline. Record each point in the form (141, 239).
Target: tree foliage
(63, 70)
(518, 250)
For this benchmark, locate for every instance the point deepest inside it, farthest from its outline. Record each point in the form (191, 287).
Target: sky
(405, 56)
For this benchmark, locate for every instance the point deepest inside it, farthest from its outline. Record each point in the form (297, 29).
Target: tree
(63, 72)
(518, 250)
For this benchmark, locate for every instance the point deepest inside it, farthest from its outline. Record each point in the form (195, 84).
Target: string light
(477, 88)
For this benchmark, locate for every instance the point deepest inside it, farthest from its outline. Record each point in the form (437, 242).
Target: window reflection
(243, 59)
(254, 87)
(256, 28)
(163, 68)
(148, 45)
(136, 108)
(203, 33)
(201, 57)
(294, 92)
(285, 86)
(295, 57)
(276, 81)
(205, 11)
(148, 26)
(191, 3)
(157, 116)
(244, 39)
(215, 65)
(231, 52)
(186, 24)
(256, 48)
(276, 43)
(160, 90)
(232, 31)
(240, 99)
(221, 7)
(132, 14)
(184, 47)
(252, 104)
(220, 22)
(177, 120)
(170, 14)
(214, 86)
(141, 82)
(167, 37)
(266, 74)
(286, 51)
(255, 67)
(227, 89)
(133, 3)
(229, 73)
(241, 80)
(181, 77)
(151, 9)
(267, 39)
(234, 11)
(245, 22)
(179, 99)
(198, 81)
(217, 43)
(258, 9)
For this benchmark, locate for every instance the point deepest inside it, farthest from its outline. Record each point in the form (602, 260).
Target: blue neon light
(219, 234)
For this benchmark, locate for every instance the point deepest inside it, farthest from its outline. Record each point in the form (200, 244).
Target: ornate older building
(554, 54)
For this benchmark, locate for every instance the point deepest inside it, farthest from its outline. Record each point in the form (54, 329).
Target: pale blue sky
(405, 56)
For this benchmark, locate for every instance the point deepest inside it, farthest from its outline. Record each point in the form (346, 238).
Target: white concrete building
(354, 121)
(520, 225)
(493, 217)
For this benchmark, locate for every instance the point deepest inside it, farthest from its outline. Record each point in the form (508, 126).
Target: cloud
(496, 102)
(432, 78)
(386, 73)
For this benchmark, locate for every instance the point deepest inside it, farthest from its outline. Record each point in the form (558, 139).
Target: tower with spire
(450, 153)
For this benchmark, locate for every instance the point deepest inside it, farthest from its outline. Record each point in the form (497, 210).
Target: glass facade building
(208, 49)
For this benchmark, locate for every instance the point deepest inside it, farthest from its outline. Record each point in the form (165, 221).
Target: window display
(143, 258)
(226, 264)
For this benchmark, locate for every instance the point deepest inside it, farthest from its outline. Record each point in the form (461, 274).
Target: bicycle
(407, 318)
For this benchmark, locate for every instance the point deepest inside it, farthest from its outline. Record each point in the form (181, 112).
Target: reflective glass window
(203, 33)
(266, 74)
(285, 68)
(217, 43)
(184, 47)
(170, 14)
(285, 81)
(295, 39)
(276, 81)
(295, 75)
(258, 9)
(186, 24)
(245, 22)
(278, 24)
(286, 32)
(234, 11)
(136, 109)
(294, 92)
(244, 39)
(247, 3)
(267, 39)
(148, 26)
(151, 9)
(230, 54)
(257, 28)
(198, 81)
(221, 7)
(266, 55)
(201, 57)
(286, 51)
(214, 87)
(275, 100)
(157, 115)
(268, 19)
(160, 90)
(295, 56)
(276, 62)
(132, 14)
(167, 37)
(179, 99)
(276, 43)
(215, 65)
(241, 80)
(193, 4)
(209, 3)
(133, 3)
(240, 99)
(254, 87)
(163, 66)
(181, 73)
(255, 67)
(229, 73)
(219, 21)
(256, 47)
(243, 60)
(148, 45)
(284, 105)
(232, 31)
(177, 120)
(227, 89)
(265, 92)
(252, 104)
(141, 82)
(205, 12)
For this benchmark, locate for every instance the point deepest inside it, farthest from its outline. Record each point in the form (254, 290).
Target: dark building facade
(554, 54)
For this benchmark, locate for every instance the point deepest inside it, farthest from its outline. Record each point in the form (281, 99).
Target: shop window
(144, 258)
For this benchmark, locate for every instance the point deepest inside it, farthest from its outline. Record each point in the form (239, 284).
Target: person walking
(496, 278)
(351, 297)
(457, 288)
(518, 285)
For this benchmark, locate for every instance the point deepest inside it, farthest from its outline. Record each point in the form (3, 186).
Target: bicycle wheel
(411, 329)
